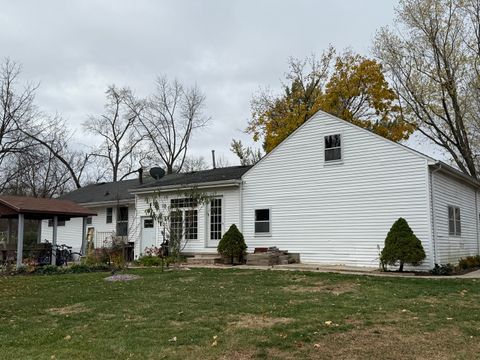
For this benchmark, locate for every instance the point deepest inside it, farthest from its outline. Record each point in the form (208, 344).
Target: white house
(115, 208)
(330, 191)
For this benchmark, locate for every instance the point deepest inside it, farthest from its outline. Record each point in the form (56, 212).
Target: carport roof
(11, 206)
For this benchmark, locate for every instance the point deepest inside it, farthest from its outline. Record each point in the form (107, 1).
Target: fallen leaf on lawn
(214, 343)
(404, 310)
(449, 318)
(68, 337)
(316, 346)
(173, 339)
(328, 323)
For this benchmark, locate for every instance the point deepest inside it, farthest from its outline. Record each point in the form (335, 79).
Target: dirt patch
(68, 310)
(176, 324)
(251, 321)
(122, 277)
(134, 318)
(239, 355)
(331, 288)
(387, 342)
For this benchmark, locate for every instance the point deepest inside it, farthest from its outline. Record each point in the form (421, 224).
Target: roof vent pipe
(213, 159)
(140, 175)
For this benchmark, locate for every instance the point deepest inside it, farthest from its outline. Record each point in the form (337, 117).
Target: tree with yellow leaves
(349, 86)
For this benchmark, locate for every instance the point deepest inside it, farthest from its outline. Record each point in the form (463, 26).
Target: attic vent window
(333, 148)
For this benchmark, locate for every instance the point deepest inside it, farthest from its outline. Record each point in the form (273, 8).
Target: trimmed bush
(80, 268)
(402, 246)
(442, 269)
(48, 270)
(149, 260)
(232, 245)
(470, 262)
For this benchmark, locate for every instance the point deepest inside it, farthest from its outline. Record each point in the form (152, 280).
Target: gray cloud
(228, 48)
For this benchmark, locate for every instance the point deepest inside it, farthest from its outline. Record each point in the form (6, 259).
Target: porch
(17, 209)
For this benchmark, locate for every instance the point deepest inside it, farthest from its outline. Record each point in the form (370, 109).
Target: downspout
(432, 200)
(240, 220)
(477, 218)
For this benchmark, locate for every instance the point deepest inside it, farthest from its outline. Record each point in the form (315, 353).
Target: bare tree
(221, 161)
(121, 143)
(193, 163)
(53, 134)
(16, 112)
(39, 174)
(433, 58)
(171, 115)
(246, 155)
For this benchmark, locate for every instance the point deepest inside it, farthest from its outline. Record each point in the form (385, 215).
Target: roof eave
(108, 202)
(205, 185)
(445, 168)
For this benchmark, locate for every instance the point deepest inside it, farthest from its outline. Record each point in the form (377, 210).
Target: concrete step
(203, 259)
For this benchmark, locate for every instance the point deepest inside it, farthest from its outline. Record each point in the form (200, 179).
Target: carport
(21, 208)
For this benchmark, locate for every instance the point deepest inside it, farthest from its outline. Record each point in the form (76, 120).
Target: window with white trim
(216, 219)
(147, 223)
(262, 221)
(191, 224)
(184, 219)
(333, 148)
(454, 222)
(109, 217)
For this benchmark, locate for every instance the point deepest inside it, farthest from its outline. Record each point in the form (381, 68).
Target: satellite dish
(157, 173)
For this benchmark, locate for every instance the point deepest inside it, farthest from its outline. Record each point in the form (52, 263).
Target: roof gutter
(109, 202)
(205, 185)
(447, 169)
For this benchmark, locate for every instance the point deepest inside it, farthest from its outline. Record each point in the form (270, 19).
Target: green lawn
(238, 314)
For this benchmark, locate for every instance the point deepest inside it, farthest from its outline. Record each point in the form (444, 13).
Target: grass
(238, 314)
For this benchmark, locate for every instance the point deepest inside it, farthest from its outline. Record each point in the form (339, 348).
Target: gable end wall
(337, 213)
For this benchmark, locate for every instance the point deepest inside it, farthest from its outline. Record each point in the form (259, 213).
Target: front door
(215, 222)
(148, 234)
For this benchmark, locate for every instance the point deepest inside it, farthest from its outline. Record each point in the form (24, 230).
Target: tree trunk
(400, 269)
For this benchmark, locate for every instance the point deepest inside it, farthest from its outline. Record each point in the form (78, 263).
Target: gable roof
(40, 207)
(104, 192)
(433, 163)
(321, 112)
(217, 175)
(123, 191)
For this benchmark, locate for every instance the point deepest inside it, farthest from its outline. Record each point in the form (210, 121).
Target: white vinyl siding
(449, 192)
(71, 233)
(230, 215)
(337, 214)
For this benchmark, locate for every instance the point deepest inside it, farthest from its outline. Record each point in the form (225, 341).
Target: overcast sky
(230, 49)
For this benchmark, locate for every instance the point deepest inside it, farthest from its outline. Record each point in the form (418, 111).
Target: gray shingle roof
(120, 190)
(106, 191)
(199, 177)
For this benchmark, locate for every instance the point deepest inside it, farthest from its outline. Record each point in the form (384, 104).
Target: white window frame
(107, 216)
(222, 218)
(263, 234)
(336, 161)
(455, 227)
(183, 210)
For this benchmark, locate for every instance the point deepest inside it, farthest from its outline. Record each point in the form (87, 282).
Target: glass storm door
(215, 222)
